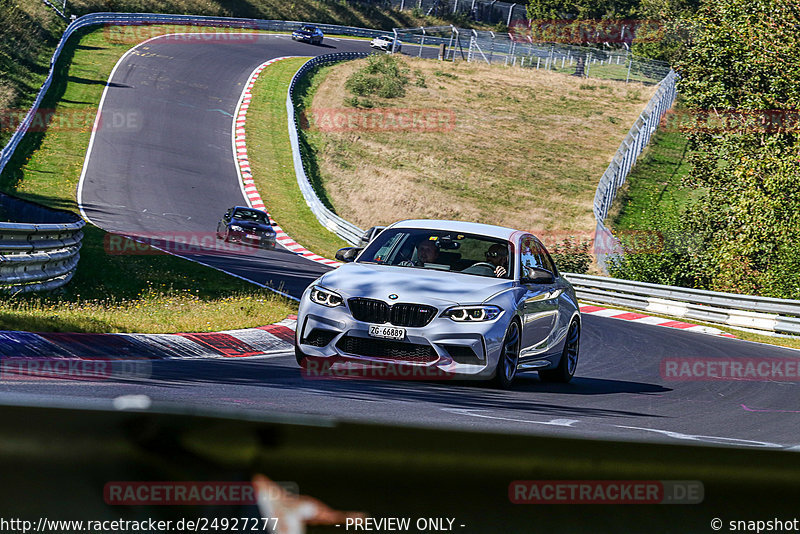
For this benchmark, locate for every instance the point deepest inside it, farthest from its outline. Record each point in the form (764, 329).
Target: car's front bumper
(256, 240)
(442, 349)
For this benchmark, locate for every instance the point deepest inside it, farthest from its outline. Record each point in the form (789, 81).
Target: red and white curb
(246, 174)
(249, 342)
(588, 309)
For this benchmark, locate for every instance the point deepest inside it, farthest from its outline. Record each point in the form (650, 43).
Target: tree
(740, 79)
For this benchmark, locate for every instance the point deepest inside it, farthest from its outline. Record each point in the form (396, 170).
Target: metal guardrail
(344, 229)
(623, 161)
(37, 256)
(745, 311)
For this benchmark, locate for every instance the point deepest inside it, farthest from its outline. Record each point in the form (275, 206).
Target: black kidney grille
(376, 311)
(382, 348)
(369, 310)
(414, 315)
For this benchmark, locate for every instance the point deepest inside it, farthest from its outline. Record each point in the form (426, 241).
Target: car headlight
(237, 228)
(463, 314)
(325, 297)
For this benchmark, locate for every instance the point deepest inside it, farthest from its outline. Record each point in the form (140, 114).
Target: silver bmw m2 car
(465, 300)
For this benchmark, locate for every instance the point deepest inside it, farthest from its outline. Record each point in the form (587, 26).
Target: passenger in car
(497, 255)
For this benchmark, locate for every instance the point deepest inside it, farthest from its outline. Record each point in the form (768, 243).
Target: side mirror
(347, 254)
(535, 275)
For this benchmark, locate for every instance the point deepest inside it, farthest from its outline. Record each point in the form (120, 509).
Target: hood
(421, 286)
(252, 225)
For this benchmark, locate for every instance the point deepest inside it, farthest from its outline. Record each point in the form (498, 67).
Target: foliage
(747, 58)
(660, 258)
(383, 76)
(662, 27)
(571, 256)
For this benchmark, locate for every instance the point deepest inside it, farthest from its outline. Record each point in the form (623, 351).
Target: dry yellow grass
(526, 151)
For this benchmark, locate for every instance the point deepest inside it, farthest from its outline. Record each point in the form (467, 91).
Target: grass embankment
(654, 196)
(271, 160)
(527, 156)
(114, 293)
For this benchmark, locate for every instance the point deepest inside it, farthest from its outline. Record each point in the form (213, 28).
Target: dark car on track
(247, 226)
(308, 34)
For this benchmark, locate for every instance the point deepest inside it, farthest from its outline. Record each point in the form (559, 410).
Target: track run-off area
(177, 172)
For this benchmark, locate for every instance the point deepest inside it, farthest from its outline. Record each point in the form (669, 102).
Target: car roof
(488, 230)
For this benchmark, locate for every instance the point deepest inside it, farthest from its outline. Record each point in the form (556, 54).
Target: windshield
(250, 215)
(440, 250)
(309, 28)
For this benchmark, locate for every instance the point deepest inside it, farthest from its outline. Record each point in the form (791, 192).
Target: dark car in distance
(247, 226)
(309, 34)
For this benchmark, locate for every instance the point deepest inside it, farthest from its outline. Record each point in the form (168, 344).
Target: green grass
(114, 293)
(654, 197)
(271, 160)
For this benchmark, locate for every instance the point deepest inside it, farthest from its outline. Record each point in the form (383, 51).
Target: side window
(529, 254)
(547, 261)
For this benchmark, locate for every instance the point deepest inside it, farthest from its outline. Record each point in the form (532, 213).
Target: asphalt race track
(174, 172)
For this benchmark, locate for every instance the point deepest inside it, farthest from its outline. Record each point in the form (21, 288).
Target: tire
(569, 357)
(506, 370)
(227, 236)
(300, 356)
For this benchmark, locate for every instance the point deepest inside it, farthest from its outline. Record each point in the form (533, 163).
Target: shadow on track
(284, 375)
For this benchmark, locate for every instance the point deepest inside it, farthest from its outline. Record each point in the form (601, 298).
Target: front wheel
(300, 356)
(569, 357)
(506, 369)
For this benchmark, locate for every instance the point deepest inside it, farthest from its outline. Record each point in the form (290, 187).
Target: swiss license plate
(387, 332)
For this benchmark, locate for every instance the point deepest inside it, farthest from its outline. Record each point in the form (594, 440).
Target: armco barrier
(744, 311)
(40, 250)
(344, 229)
(630, 148)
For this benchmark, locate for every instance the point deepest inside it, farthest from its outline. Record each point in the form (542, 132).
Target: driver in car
(427, 252)
(497, 255)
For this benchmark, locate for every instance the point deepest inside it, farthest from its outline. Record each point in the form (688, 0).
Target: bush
(383, 76)
(673, 261)
(571, 256)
